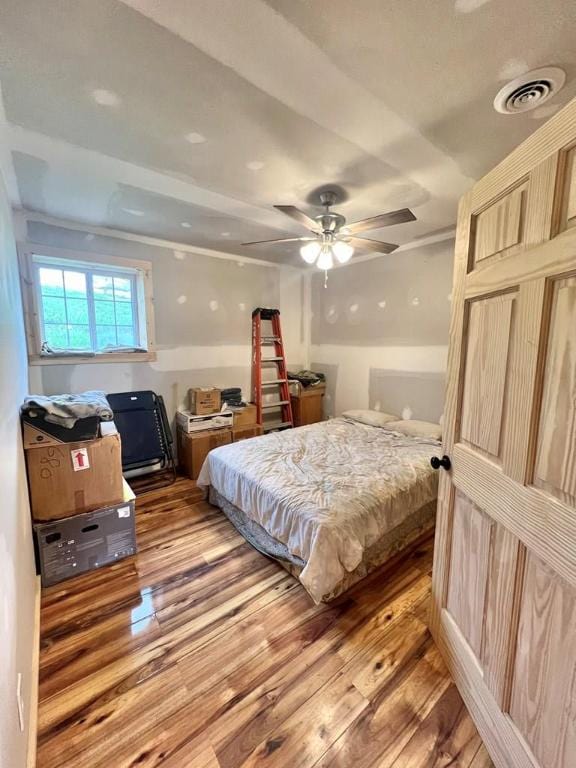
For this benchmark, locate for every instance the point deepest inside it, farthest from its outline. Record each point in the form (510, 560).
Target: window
(88, 309)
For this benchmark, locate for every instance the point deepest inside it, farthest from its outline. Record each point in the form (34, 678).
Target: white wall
(203, 319)
(380, 332)
(17, 573)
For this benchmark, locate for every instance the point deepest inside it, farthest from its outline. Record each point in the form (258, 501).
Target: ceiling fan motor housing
(330, 222)
(328, 198)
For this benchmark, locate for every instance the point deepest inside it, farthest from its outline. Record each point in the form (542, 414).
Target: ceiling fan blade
(281, 240)
(299, 216)
(366, 244)
(377, 222)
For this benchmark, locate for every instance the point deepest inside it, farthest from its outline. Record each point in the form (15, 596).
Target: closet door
(504, 584)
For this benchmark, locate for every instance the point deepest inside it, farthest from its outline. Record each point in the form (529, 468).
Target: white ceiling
(214, 111)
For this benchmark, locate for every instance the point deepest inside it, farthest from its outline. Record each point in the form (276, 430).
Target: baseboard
(34, 677)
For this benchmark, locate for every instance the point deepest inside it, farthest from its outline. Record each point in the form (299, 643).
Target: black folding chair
(142, 422)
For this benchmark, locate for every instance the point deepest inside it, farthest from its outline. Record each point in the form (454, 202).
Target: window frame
(33, 258)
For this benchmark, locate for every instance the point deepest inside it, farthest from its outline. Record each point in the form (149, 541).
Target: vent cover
(529, 91)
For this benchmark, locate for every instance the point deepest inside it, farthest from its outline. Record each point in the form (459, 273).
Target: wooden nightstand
(306, 403)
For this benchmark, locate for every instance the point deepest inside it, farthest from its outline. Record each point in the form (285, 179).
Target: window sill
(103, 357)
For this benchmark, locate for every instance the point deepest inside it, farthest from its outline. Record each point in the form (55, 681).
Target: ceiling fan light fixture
(325, 260)
(343, 251)
(310, 252)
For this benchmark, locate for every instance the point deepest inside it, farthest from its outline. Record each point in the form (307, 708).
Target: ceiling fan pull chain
(325, 278)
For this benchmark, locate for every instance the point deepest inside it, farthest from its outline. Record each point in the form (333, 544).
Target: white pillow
(372, 418)
(415, 428)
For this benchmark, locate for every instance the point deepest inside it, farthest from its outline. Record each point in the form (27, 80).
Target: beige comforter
(327, 491)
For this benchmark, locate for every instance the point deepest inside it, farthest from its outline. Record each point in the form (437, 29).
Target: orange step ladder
(268, 349)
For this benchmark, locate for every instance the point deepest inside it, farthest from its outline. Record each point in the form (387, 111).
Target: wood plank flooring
(201, 653)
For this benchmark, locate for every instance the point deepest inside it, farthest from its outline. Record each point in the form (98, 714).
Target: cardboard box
(243, 433)
(194, 447)
(84, 542)
(37, 431)
(190, 422)
(245, 417)
(72, 478)
(203, 400)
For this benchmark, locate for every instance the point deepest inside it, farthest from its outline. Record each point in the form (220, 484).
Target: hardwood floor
(202, 653)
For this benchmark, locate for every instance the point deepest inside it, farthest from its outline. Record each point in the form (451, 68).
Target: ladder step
(270, 340)
(274, 383)
(276, 425)
(271, 359)
(275, 405)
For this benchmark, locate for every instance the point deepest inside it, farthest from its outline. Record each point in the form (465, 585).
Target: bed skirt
(399, 538)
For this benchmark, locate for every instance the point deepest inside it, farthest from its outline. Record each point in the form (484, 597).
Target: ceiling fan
(332, 237)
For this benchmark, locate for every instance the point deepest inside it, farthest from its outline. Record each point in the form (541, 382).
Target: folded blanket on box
(232, 396)
(65, 410)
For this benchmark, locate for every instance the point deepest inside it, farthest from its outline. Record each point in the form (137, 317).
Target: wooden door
(504, 584)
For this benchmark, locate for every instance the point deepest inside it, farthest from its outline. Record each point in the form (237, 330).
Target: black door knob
(444, 462)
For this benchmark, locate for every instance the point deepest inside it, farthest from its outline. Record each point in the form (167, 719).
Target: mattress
(328, 492)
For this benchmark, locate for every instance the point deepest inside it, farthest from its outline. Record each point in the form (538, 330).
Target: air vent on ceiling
(529, 91)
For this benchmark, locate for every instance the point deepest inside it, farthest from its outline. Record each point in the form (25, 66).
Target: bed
(331, 501)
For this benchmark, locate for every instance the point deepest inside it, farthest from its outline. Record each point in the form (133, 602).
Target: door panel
(556, 459)
(469, 565)
(500, 226)
(504, 579)
(543, 703)
(486, 566)
(500, 620)
(569, 212)
(524, 378)
(489, 334)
